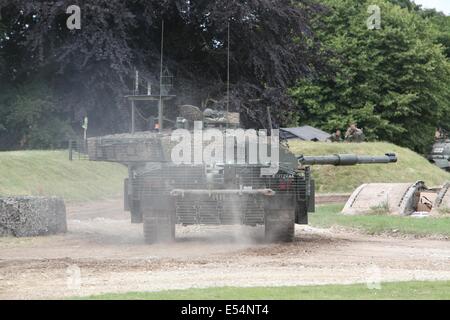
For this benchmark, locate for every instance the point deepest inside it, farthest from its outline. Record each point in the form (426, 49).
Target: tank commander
(152, 123)
(354, 134)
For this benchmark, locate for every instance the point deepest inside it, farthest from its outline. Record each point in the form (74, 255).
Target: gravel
(104, 253)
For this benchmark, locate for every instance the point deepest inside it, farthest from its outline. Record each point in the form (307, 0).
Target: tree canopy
(88, 71)
(313, 62)
(394, 82)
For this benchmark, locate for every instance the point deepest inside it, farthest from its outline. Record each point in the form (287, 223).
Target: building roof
(306, 133)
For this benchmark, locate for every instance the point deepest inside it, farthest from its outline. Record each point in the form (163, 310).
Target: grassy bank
(51, 173)
(411, 167)
(398, 290)
(329, 215)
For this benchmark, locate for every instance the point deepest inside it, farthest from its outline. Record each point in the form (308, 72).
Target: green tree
(394, 82)
(441, 27)
(92, 69)
(30, 118)
(406, 4)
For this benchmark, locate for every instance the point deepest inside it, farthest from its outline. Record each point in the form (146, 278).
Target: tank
(440, 154)
(161, 194)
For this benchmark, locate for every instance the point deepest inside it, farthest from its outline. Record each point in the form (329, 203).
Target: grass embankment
(411, 166)
(399, 290)
(50, 173)
(329, 215)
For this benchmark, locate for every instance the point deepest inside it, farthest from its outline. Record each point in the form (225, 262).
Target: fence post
(70, 151)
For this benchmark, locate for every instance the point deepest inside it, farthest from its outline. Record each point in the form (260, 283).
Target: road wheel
(159, 227)
(280, 225)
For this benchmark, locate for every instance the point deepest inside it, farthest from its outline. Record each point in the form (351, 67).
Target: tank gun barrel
(346, 159)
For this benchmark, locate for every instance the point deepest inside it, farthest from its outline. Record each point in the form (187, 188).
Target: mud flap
(136, 212)
(126, 195)
(159, 219)
(311, 198)
(159, 227)
(280, 219)
(301, 214)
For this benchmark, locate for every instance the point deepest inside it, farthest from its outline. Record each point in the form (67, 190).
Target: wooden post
(133, 117)
(133, 106)
(70, 150)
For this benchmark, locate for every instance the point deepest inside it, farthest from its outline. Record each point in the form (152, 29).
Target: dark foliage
(90, 70)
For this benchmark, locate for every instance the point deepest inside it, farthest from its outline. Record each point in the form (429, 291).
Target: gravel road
(104, 253)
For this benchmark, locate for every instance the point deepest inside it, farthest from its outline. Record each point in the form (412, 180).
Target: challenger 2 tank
(161, 194)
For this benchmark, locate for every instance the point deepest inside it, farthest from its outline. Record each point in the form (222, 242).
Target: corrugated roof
(306, 133)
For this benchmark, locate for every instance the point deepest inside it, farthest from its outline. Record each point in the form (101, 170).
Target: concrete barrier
(395, 198)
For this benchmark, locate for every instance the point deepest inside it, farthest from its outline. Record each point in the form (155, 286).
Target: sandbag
(32, 216)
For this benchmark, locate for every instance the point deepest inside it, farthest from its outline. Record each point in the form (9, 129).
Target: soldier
(337, 136)
(354, 134)
(440, 134)
(191, 113)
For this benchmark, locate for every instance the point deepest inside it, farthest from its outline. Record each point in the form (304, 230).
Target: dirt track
(110, 254)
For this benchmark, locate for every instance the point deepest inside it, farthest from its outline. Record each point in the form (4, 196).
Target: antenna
(228, 72)
(136, 83)
(133, 105)
(160, 107)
